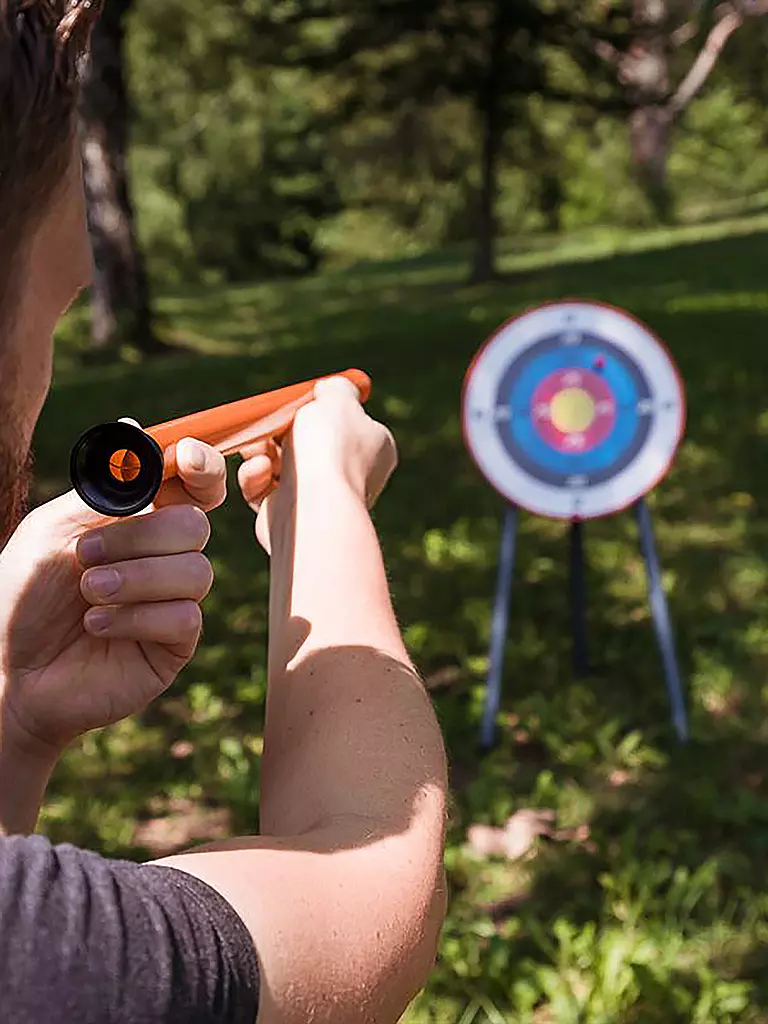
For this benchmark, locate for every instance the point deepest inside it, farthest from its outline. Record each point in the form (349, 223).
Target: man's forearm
(344, 890)
(24, 775)
(350, 729)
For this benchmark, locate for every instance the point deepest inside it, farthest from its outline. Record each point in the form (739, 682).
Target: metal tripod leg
(662, 621)
(579, 601)
(499, 627)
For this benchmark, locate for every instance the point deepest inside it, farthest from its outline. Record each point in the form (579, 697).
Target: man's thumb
(67, 516)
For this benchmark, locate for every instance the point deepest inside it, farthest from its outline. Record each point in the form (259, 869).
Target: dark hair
(42, 46)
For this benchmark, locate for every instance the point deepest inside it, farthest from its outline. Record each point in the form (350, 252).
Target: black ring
(94, 480)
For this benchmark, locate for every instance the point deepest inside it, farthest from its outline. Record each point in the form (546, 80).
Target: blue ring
(531, 452)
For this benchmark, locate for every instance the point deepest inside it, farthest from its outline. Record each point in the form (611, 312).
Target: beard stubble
(15, 482)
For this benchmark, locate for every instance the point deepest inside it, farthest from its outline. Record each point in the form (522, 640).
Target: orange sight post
(118, 468)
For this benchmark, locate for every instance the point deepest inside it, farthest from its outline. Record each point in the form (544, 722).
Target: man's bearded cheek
(15, 479)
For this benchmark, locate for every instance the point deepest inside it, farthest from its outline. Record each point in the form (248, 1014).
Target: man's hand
(97, 616)
(333, 440)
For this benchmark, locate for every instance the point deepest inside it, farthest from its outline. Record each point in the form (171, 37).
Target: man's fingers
(268, 448)
(174, 623)
(202, 477)
(336, 387)
(188, 576)
(260, 472)
(257, 479)
(169, 531)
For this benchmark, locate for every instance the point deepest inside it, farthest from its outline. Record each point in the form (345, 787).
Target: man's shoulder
(116, 940)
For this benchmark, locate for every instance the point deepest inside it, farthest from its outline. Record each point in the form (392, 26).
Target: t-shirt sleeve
(111, 942)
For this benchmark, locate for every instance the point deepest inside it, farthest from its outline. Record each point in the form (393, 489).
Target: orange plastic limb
(229, 428)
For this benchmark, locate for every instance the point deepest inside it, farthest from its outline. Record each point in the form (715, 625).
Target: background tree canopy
(272, 137)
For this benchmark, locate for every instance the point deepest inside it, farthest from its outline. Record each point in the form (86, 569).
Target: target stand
(575, 411)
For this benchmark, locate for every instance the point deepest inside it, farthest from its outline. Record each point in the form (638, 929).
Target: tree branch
(733, 16)
(684, 34)
(705, 63)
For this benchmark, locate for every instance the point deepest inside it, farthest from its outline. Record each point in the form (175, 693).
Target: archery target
(573, 411)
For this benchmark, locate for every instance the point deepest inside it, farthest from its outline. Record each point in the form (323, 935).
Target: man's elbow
(432, 930)
(374, 970)
(434, 919)
(415, 971)
(404, 922)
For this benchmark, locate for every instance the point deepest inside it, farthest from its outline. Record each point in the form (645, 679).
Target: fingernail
(90, 549)
(98, 620)
(196, 456)
(104, 582)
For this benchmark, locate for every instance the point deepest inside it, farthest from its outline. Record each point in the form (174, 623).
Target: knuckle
(163, 622)
(191, 617)
(203, 575)
(192, 524)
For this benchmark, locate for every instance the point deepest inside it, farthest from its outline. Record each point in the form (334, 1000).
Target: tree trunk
(650, 130)
(645, 70)
(121, 304)
(646, 73)
(489, 106)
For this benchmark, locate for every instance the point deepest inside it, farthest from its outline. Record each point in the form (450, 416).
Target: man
(331, 912)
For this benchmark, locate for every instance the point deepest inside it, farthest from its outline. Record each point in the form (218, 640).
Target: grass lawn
(648, 901)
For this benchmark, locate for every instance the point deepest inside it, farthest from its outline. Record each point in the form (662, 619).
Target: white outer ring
(631, 483)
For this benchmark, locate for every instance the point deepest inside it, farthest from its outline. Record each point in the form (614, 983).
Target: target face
(573, 411)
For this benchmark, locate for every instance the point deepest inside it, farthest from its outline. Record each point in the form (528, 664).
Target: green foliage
(230, 156)
(720, 152)
(658, 911)
(269, 137)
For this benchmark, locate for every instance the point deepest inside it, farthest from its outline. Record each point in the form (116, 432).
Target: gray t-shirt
(86, 940)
